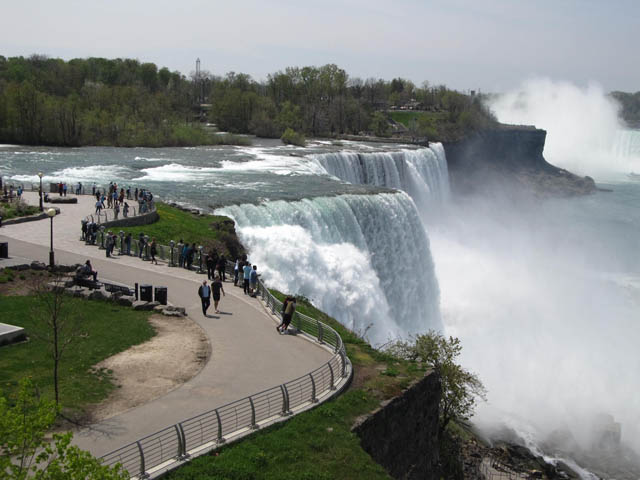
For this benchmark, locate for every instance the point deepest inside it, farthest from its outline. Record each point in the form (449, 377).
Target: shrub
(291, 137)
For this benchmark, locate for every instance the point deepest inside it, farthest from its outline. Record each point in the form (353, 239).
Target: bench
(86, 281)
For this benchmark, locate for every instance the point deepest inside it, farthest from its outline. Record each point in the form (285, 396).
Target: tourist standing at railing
(212, 262)
(93, 188)
(246, 276)
(121, 197)
(217, 287)
(181, 253)
(236, 272)
(204, 292)
(191, 252)
(288, 309)
(141, 243)
(222, 267)
(253, 281)
(109, 244)
(153, 250)
(125, 210)
(116, 211)
(127, 244)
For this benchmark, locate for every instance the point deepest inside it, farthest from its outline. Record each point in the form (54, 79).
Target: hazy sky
(492, 45)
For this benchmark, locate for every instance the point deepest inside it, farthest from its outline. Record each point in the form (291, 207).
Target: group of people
(116, 199)
(10, 192)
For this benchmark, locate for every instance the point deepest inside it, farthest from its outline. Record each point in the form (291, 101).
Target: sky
(486, 45)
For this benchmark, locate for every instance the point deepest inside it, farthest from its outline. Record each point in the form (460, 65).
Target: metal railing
(109, 215)
(169, 447)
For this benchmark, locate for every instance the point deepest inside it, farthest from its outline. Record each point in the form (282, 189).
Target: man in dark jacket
(204, 292)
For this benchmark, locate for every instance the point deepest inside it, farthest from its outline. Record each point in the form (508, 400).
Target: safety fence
(493, 469)
(105, 215)
(170, 447)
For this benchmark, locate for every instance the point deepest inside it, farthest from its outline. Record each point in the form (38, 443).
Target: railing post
(343, 368)
(320, 332)
(313, 389)
(181, 447)
(220, 438)
(254, 426)
(285, 401)
(143, 472)
(332, 387)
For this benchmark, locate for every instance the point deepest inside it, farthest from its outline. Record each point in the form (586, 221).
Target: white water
(421, 173)
(364, 259)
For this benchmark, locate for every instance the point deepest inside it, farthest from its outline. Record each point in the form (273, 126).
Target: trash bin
(4, 249)
(161, 295)
(146, 293)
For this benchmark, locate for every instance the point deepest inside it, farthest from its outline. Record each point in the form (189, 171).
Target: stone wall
(512, 157)
(402, 435)
(144, 219)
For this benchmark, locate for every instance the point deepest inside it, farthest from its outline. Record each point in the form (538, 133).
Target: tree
(460, 388)
(379, 125)
(25, 453)
(56, 327)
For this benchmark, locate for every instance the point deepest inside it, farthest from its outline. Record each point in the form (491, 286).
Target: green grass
(316, 444)
(104, 330)
(208, 230)
(406, 116)
(16, 209)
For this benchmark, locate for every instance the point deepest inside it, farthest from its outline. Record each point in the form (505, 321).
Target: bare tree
(55, 326)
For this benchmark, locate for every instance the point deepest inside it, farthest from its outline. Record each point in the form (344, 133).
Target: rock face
(402, 435)
(512, 157)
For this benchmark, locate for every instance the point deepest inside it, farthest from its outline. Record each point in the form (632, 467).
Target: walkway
(247, 355)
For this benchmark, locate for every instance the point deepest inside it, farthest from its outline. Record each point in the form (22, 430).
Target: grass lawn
(208, 230)
(103, 329)
(317, 444)
(16, 209)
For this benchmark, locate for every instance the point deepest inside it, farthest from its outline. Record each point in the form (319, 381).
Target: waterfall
(626, 149)
(421, 173)
(364, 259)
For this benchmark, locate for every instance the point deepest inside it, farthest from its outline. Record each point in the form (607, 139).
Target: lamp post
(40, 175)
(171, 245)
(52, 213)
(200, 265)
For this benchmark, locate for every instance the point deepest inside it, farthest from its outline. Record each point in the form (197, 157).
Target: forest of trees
(630, 111)
(96, 101)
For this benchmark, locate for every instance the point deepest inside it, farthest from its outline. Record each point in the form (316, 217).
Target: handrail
(171, 446)
(144, 208)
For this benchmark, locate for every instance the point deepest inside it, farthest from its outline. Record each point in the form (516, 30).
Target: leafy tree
(379, 125)
(290, 137)
(460, 388)
(25, 453)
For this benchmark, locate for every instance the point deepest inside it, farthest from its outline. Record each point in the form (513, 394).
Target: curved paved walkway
(247, 355)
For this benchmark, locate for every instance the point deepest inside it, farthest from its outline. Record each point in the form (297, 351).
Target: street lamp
(40, 175)
(52, 213)
(171, 245)
(200, 265)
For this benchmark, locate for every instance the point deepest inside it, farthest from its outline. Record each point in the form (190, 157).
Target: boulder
(125, 301)
(172, 308)
(171, 313)
(19, 268)
(98, 295)
(38, 266)
(56, 286)
(142, 305)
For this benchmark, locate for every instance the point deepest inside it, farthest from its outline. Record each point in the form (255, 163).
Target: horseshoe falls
(421, 173)
(364, 259)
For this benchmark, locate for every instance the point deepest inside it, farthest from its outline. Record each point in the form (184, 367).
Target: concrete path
(248, 356)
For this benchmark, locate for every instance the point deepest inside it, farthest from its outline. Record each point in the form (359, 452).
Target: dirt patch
(147, 371)
(362, 374)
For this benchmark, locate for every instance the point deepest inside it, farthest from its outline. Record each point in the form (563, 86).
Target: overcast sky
(492, 45)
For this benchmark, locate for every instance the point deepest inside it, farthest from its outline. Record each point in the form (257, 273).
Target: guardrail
(109, 215)
(170, 447)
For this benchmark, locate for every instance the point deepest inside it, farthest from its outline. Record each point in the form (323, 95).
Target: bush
(291, 137)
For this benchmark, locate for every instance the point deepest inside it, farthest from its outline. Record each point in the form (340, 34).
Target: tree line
(630, 107)
(124, 102)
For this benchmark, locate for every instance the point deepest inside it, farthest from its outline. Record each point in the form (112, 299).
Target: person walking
(288, 309)
(246, 276)
(98, 207)
(116, 211)
(125, 210)
(217, 287)
(108, 245)
(141, 243)
(204, 292)
(236, 272)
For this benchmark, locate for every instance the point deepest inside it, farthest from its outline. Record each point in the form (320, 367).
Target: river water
(544, 294)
